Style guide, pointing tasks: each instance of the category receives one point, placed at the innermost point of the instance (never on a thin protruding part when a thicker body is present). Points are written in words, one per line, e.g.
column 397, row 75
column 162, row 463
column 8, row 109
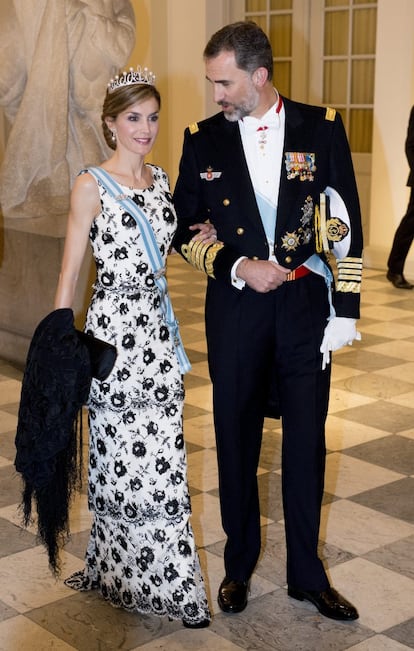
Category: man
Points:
column 257, row 171
column 404, row 234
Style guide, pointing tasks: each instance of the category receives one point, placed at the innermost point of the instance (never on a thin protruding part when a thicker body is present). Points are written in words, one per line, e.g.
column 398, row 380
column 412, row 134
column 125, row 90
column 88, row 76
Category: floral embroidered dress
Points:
column 141, row 553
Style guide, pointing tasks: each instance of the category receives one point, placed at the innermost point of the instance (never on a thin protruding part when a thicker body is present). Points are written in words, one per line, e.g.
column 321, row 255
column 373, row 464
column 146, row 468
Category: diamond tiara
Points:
column 138, row 76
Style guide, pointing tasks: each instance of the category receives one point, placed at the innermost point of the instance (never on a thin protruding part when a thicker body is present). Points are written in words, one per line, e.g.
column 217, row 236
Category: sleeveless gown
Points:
column 141, row 553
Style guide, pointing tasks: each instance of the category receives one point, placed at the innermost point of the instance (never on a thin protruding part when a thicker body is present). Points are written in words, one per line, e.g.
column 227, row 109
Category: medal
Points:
column 301, row 164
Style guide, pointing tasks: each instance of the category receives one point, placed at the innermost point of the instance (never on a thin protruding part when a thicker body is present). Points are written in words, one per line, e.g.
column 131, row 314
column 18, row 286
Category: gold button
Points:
column 240, row 231
column 226, row 202
column 288, row 259
column 255, row 257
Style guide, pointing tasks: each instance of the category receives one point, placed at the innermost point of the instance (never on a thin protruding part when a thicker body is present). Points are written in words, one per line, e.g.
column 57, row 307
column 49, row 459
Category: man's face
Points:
column 234, row 89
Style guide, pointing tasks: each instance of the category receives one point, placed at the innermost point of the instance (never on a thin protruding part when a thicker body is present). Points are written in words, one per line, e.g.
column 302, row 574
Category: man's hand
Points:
column 340, row 331
column 261, row 275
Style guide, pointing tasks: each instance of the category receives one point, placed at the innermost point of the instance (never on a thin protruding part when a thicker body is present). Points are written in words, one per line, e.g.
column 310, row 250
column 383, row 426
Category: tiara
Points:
column 138, row 76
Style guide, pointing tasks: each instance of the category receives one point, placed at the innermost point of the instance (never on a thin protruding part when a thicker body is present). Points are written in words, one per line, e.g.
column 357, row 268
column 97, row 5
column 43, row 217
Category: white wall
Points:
column 394, row 96
column 171, row 35
column 186, row 35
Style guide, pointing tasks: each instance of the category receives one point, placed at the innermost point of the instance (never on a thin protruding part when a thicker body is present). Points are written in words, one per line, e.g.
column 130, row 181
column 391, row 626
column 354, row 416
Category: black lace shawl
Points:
column 55, row 385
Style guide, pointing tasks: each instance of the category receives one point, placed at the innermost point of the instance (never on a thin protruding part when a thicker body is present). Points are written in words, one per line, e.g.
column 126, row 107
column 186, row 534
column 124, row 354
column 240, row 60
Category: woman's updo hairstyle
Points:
column 120, row 100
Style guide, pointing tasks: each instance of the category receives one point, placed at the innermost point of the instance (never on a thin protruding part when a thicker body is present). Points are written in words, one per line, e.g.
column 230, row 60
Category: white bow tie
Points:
column 272, row 121
column 253, row 125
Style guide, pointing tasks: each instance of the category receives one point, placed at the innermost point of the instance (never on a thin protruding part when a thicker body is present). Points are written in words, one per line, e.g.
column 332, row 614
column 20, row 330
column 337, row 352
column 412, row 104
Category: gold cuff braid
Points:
column 349, row 275
column 201, row 255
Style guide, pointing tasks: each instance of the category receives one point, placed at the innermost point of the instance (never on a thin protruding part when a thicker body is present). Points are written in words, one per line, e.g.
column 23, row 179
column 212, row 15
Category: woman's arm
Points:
column 84, row 206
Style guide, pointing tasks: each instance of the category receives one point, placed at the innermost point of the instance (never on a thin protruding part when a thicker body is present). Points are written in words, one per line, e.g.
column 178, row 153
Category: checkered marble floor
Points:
column 367, row 527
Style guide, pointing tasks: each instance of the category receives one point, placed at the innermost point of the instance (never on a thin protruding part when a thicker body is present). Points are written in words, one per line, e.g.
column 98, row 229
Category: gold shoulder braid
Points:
column 201, row 255
column 349, row 275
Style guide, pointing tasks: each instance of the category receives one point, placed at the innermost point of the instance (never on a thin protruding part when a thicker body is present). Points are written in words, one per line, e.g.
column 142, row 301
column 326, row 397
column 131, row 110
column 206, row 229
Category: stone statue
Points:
column 57, row 58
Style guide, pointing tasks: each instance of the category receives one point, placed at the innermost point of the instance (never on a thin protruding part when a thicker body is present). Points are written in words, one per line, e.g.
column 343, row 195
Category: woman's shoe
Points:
column 203, row 624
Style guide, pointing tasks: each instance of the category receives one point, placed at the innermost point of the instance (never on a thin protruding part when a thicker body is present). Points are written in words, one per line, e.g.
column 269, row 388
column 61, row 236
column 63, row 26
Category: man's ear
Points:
column 260, row 76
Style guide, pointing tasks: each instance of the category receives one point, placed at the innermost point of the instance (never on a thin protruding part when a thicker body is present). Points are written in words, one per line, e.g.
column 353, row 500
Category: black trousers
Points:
column 252, row 337
column 403, row 239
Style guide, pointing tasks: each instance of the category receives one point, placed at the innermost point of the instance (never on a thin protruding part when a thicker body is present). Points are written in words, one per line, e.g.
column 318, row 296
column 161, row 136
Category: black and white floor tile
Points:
column 367, row 529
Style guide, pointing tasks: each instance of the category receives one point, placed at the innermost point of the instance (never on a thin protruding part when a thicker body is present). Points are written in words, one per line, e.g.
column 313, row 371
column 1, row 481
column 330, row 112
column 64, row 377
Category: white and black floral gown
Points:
column 141, row 553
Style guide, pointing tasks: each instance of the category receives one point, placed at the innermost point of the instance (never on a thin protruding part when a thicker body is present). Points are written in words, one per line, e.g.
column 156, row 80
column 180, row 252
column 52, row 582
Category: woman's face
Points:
column 137, row 127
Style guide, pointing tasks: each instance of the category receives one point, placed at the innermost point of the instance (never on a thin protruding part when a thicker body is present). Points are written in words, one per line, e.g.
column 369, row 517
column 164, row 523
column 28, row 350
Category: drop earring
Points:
column 113, row 136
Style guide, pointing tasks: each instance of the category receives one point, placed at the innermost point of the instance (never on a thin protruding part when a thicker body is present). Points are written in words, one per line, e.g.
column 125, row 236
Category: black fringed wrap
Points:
column 55, row 385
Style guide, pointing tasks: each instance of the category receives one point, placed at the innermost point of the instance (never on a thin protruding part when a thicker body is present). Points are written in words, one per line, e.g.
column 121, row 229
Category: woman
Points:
column 141, row 553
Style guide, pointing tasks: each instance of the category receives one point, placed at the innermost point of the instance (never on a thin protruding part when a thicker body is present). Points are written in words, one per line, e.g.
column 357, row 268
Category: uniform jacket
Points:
column 214, row 184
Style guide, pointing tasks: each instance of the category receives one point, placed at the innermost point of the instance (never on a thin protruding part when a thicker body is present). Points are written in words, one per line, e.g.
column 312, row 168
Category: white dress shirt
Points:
column 262, row 140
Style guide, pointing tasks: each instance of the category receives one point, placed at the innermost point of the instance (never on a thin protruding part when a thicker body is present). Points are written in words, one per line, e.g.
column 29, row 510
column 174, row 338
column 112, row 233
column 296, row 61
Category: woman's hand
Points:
column 207, row 233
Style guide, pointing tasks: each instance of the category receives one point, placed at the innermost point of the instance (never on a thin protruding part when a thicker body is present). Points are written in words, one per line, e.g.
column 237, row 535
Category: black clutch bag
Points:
column 101, row 354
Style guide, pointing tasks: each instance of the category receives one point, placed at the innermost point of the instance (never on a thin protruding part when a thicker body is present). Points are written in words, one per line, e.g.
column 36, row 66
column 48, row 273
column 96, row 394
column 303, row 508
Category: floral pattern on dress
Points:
column 141, row 553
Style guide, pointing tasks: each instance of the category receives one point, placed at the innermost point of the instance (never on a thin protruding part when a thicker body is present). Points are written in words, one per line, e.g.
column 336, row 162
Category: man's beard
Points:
column 241, row 111
column 236, row 114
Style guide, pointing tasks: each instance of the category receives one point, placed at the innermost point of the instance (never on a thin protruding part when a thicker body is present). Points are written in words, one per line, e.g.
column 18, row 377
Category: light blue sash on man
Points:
column 314, row 263
column 154, row 256
column 268, row 214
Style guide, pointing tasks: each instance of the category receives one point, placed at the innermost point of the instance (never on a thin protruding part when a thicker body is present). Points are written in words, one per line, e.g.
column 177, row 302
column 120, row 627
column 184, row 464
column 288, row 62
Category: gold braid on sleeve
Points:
column 202, row 255
column 349, row 275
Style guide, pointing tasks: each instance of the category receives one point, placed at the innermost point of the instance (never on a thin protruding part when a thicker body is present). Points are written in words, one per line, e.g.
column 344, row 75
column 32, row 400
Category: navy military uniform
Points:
column 258, row 339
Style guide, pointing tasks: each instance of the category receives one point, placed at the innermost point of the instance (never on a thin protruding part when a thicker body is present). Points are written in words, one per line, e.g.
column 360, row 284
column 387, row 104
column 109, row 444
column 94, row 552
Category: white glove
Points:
column 340, row 331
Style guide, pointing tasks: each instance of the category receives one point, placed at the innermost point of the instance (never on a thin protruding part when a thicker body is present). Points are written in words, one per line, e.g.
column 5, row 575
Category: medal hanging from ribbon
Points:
column 301, row 164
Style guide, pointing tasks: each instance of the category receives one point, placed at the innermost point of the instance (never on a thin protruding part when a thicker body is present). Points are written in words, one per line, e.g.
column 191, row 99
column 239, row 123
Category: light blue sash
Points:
column 115, row 191
column 268, row 214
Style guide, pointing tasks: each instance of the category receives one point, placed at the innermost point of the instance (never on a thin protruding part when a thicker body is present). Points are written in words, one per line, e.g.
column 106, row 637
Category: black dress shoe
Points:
column 329, row 603
column 232, row 595
column 203, row 624
column 399, row 281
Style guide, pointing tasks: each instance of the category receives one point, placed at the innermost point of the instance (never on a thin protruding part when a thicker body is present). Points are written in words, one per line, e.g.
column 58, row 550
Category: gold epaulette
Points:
column 193, row 127
column 330, row 114
column 349, row 275
column 201, row 255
